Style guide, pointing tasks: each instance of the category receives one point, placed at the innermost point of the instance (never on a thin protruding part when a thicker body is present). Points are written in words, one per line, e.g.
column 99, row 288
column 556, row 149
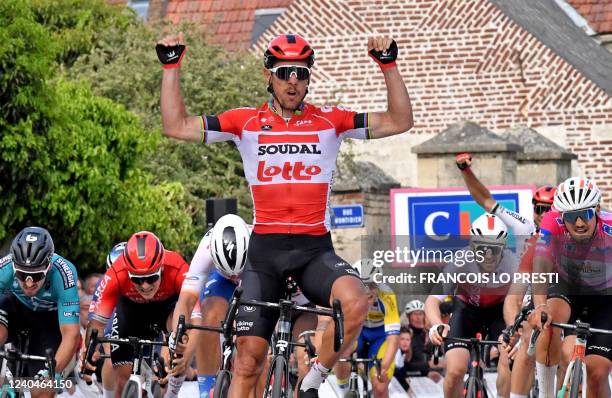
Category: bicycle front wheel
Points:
column 470, row 388
column 576, row 379
column 280, row 387
column 222, row 384
column 130, row 390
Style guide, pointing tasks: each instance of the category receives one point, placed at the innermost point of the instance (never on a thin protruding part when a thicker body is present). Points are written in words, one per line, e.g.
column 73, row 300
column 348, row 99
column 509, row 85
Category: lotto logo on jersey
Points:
column 288, row 171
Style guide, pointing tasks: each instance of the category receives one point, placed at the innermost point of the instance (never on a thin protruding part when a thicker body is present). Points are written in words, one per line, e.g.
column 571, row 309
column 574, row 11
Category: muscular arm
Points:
column 175, row 121
column 184, row 306
column 432, row 310
column 513, row 302
column 540, row 265
column 68, row 346
column 398, row 118
column 479, row 192
column 392, row 344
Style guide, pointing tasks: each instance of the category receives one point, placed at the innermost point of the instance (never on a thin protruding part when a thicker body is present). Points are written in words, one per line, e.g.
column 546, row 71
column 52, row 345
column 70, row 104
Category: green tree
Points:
column 124, row 67
column 72, row 161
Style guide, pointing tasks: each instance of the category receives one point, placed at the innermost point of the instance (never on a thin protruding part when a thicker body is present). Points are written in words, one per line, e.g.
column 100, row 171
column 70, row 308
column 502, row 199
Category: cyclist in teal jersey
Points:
column 41, row 296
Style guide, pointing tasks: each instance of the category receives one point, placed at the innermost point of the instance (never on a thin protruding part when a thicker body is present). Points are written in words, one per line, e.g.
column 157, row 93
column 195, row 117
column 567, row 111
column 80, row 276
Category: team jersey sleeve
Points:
column 108, row 296
column 348, row 124
column 201, row 265
column 6, row 272
column 227, row 126
column 182, row 273
column 549, row 228
column 520, row 225
column 392, row 318
column 64, row 282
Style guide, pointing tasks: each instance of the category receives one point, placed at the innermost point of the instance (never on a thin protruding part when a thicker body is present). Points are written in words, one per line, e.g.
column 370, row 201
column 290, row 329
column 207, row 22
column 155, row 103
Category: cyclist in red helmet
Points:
column 289, row 149
column 142, row 285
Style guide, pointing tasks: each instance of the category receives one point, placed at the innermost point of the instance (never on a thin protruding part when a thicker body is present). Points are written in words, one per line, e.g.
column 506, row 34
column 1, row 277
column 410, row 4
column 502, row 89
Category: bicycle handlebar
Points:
column 335, row 313
column 518, row 320
column 583, row 326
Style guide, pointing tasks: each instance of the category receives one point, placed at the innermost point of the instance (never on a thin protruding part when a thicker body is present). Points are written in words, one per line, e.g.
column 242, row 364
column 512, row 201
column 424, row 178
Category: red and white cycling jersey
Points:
column 583, row 264
column 116, row 283
column 289, row 164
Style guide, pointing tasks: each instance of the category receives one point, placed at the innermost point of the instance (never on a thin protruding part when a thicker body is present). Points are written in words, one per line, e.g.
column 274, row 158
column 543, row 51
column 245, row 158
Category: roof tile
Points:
column 596, row 12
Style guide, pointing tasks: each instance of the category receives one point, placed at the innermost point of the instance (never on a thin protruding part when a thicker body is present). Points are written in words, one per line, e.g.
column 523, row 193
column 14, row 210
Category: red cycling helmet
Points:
column 143, row 253
column 288, row 48
column 545, row 194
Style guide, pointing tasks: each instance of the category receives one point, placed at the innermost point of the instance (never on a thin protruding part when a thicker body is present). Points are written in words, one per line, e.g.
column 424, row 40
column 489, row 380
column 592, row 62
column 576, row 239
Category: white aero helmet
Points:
column 115, row 252
column 366, row 270
column 490, row 229
column 576, row 193
column 414, row 305
column 229, row 243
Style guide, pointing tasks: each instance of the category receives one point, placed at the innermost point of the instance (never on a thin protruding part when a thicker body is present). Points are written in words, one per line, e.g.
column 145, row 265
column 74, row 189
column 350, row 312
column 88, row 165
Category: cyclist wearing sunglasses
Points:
column 40, row 296
column 479, row 307
column 575, row 241
column 289, row 149
column 143, row 285
column 519, row 293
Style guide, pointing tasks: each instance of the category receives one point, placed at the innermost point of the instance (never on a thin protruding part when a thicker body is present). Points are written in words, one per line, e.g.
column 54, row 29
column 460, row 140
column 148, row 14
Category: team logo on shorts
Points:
column 248, row 308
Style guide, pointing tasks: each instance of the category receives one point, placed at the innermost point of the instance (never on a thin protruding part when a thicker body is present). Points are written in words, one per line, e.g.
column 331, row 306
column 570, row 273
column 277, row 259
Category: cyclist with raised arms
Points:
column 379, row 336
column 41, row 296
column 575, row 241
column 478, row 306
column 143, row 285
column 519, row 294
column 289, row 150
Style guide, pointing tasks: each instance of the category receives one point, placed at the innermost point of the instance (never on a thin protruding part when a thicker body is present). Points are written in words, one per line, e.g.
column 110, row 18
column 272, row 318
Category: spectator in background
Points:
column 414, row 313
column 80, row 286
column 91, row 282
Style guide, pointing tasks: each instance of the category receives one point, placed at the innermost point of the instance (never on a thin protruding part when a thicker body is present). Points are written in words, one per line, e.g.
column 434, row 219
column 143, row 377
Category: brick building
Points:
column 499, row 63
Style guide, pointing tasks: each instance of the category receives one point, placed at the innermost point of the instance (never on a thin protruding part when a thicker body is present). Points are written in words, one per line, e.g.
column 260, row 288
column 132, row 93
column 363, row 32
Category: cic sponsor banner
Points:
column 440, row 218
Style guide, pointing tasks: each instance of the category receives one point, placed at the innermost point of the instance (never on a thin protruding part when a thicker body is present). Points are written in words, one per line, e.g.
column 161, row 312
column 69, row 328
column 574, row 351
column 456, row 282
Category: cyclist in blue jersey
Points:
column 107, row 373
column 41, row 296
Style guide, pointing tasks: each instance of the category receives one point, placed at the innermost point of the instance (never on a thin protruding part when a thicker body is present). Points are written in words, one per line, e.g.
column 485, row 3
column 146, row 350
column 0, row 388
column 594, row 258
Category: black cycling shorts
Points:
column 42, row 329
column 138, row 320
column 310, row 260
column 467, row 320
column 592, row 309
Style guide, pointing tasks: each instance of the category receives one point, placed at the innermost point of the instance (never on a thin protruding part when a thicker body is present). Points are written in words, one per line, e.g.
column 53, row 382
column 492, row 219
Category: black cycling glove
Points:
column 170, row 56
column 385, row 59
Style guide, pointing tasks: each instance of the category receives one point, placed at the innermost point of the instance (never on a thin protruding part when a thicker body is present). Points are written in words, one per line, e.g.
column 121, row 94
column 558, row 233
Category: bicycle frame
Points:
column 142, row 374
column 355, row 374
column 583, row 330
column 475, row 382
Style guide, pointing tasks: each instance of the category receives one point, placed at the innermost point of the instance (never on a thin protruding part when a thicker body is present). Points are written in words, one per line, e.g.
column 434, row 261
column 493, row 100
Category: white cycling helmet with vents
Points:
column 490, row 229
column 229, row 243
column 366, row 270
column 576, row 193
column 414, row 305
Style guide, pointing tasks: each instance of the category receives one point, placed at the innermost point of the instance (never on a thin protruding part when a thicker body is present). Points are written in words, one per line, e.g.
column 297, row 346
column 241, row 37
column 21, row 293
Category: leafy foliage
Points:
column 71, row 160
column 125, row 68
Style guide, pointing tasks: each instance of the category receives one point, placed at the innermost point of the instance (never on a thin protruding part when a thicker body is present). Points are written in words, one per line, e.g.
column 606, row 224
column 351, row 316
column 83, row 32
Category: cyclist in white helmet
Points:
column 575, row 241
column 213, row 275
column 479, row 306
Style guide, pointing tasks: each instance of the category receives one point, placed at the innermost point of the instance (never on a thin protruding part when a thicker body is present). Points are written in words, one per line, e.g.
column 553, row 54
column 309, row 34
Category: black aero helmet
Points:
column 32, row 248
